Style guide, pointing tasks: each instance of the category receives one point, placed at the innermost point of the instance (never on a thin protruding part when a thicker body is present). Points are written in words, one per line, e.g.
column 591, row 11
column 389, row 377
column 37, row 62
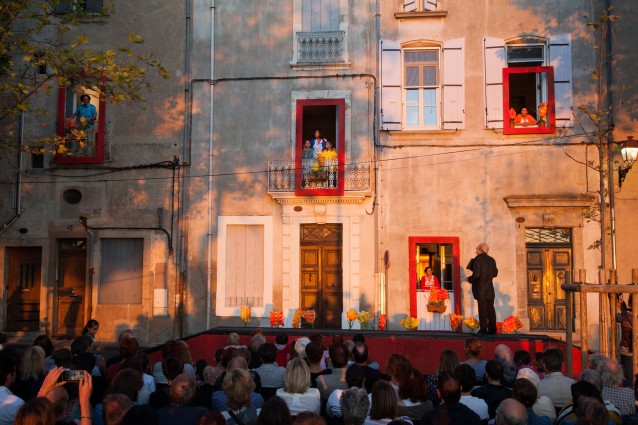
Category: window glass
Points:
column 421, row 88
column 429, row 106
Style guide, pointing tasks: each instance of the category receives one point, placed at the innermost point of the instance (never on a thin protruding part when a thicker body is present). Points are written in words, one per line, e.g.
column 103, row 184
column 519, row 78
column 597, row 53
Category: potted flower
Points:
column 436, row 303
column 276, row 318
column 244, row 314
column 542, row 115
column 410, row 323
column 512, row 113
column 309, row 316
column 351, row 315
column 363, row 318
column 382, row 322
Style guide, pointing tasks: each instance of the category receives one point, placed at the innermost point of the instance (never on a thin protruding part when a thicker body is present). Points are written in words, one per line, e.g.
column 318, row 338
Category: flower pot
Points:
column 437, row 308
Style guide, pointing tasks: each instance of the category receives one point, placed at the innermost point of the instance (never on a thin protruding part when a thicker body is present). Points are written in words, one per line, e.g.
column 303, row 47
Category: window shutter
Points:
column 409, row 5
column 244, row 269
column 494, row 62
column 429, row 5
column 390, row 85
column 560, row 57
column 453, row 84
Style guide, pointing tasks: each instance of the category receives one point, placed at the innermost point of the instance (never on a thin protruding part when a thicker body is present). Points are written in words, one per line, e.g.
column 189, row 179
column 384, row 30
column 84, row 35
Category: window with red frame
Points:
column 320, row 125
column 528, row 100
column 88, row 150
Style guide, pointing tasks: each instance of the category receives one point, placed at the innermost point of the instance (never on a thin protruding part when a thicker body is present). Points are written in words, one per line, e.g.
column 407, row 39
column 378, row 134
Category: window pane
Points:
column 121, row 271
column 429, row 107
column 411, row 76
column 429, row 75
column 421, row 56
column 412, row 107
column 525, row 53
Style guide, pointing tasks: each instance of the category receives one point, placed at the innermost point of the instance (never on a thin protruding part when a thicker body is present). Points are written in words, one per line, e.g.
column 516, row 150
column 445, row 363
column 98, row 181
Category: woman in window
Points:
column 307, row 152
column 318, row 144
column 429, row 281
column 524, row 119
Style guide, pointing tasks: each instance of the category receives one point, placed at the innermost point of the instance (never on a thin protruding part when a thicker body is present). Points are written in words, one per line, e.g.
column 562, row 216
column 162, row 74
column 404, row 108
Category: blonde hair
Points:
column 297, row 377
column 473, row 347
column 238, row 388
column 32, row 365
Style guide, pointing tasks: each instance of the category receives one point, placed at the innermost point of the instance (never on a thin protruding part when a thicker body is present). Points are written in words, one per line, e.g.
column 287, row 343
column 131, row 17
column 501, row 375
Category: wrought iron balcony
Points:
column 320, row 47
column 282, row 176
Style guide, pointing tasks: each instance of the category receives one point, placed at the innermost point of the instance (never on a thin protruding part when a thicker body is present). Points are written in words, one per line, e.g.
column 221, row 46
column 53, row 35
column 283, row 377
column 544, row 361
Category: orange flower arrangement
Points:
column 455, row 321
column 351, row 315
column 471, row 323
column 511, row 324
column 310, row 316
column 410, row 323
column 438, row 296
column 276, row 318
column 244, row 314
column 542, row 110
column 512, row 113
column 382, row 322
column 296, row 319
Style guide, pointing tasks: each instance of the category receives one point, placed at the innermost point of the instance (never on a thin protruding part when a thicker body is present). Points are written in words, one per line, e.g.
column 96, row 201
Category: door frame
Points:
column 87, row 300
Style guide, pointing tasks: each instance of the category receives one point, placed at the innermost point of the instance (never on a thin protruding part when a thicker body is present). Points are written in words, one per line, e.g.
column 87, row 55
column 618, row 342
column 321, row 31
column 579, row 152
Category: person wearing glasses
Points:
column 484, row 270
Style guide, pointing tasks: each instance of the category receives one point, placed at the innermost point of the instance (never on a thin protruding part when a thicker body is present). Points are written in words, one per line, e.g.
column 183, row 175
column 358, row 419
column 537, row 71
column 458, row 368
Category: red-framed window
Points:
column 93, row 152
column 528, row 100
column 442, row 254
column 328, row 117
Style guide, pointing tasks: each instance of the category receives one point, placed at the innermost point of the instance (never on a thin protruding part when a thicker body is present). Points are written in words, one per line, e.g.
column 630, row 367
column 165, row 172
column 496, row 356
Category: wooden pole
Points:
column 584, row 337
column 602, row 317
column 634, row 321
column 569, row 363
column 613, row 301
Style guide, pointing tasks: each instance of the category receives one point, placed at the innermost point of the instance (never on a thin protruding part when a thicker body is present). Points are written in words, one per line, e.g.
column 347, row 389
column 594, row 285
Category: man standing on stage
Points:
column 484, row 269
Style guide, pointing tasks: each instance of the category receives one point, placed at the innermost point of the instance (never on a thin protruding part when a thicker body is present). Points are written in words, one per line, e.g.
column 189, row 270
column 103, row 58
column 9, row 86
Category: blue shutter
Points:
column 560, row 57
column 453, row 84
column 390, row 85
column 494, row 61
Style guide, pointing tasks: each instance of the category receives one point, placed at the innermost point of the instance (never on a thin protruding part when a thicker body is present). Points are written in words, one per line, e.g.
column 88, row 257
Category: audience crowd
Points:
column 302, row 382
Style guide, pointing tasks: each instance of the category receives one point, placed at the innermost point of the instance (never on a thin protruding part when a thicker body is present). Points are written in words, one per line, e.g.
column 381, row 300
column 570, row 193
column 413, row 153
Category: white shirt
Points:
column 149, row 383
column 477, row 405
column 9, row 406
column 297, row 403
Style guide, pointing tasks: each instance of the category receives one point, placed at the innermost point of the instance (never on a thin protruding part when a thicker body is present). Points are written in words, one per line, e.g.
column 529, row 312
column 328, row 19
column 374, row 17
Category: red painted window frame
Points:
column 456, row 268
column 341, row 146
column 551, row 102
column 99, row 139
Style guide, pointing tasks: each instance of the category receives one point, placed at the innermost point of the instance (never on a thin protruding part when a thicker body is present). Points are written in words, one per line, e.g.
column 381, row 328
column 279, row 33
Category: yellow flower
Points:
column 244, row 314
column 296, row 319
column 410, row 323
column 363, row 317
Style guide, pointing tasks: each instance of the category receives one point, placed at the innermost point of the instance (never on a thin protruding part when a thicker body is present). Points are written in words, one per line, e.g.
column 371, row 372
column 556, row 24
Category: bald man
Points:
column 484, row 270
column 511, row 412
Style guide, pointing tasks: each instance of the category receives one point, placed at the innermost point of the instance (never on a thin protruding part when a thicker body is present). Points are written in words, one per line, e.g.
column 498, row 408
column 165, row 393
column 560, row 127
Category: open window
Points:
column 528, row 100
column 320, row 147
column 90, row 148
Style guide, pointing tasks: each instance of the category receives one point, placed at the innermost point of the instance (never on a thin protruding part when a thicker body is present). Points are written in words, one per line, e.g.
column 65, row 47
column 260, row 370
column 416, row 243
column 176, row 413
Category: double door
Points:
column 547, row 269
column 23, row 288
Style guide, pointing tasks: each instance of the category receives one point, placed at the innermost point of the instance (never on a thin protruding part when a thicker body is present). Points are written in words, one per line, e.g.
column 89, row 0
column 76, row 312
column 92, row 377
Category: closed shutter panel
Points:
column 320, row 15
column 390, row 85
column 453, row 84
column 429, row 5
column 494, row 62
column 121, row 271
column 244, row 265
column 560, row 56
column 409, row 5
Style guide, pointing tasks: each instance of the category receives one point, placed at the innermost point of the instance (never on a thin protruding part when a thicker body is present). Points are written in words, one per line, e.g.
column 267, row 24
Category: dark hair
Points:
column 274, row 412
column 171, row 347
column 133, row 363
column 213, row 417
column 82, row 100
column 268, row 352
column 8, row 364
column 143, row 359
column 522, row 357
column 494, row 370
column 413, row 387
column 84, row 361
column 127, row 382
column 227, row 355
column 281, row 339
column 309, row 418
column 199, row 369
column 80, row 345
column 45, row 342
column 314, row 352
column 61, row 356
column 384, row 401
column 339, row 355
column 218, row 355
column 591, row 411
column 316, row 338
column 129, row 347
column 38, row 411
column 172, row 366
column 525, row 391
column 398, row 366
column 466, row 376
column 552, row 359
column 91, row 322
column 359, row 338
column 585, row 389
column 360, row 352
column 428, row 267
column 355, row 375
column 449, row 388
column 141, row 414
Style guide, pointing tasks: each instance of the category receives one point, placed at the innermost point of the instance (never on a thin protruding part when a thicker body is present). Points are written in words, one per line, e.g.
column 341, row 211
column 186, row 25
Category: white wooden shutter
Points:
column 560, row 57
column 409, row 5
column 453, row 84
column 494, row 62
column 429, row 5
column 320, row 15
column 244, row 265
column 390, row 85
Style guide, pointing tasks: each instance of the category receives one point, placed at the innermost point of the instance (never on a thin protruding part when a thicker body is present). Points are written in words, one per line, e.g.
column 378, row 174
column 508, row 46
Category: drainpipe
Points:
column 89, row 292
column 209, row 240
column 17, row 202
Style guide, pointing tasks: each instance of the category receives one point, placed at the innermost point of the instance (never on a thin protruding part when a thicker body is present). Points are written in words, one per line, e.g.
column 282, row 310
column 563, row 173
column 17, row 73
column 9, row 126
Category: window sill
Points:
column 417, row 15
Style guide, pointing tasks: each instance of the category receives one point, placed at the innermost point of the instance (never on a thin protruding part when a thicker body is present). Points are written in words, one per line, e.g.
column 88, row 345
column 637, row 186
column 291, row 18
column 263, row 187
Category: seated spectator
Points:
column 511, row 412
column 181, row 411
column 274, row 412
column 87, row 361
column 543, row 405
column 238, row 388
column 178, row 349
column 127, row 333
column 384, row 404
column 596, row 360
column 354, row 406
column 315, row 357
column 115, row 407
column 473, row 350
column 360, row 358
column 227, row 355
column 233, row 341
column 567, row 415
column 271, row 375
column 591, row 411
column 127, row 382
column 35, row 412
column 296, row 391
column 448, row 361
column 219, row 400
column 31, row 373
column 245, row 354
column 59, row 397
column 493, row 392
column 214, row 372
column 450, row 411
column 47, row 345
column 398, row 368
column 503, row 355
column 83, row 389
column 413, row 396
column 467, row 379
column 309, row 418
column 172, row 365
column 555, row 385
column 523, row 360
column 337, row 379
column 128, row 349
column 255, row 342
column 143, row 414
column 283, row 350
column 622, row 397
column 355, row 379
column 525, row 392
column 9, row 403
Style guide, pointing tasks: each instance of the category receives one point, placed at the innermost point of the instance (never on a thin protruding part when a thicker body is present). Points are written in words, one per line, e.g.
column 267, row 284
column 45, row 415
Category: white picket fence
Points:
column 429, row 321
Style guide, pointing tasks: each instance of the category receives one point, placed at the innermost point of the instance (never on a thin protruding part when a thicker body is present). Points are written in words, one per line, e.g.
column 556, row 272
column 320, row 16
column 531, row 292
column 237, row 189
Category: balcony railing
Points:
column 282, row 176
column 320, row 47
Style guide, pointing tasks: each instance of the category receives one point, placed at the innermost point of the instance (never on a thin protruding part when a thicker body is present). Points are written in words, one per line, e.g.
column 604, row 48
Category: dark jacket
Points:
column 483, row 271
column 455, row 413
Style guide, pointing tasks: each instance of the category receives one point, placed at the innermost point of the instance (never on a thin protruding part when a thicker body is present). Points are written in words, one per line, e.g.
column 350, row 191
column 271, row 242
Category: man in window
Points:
column 524, row 119
column 86, row 114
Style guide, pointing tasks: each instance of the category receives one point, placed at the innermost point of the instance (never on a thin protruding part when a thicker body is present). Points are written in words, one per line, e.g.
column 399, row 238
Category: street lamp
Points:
column 629, row 151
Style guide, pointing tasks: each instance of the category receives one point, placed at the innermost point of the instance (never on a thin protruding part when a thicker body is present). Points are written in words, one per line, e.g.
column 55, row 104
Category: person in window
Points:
column 86, row 115
column 318, row 143
column 307, row 151
column 429, row 281
column 524, row 119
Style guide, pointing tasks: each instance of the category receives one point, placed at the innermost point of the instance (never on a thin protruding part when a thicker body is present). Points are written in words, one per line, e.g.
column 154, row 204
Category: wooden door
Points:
column 547, row 269
column 321, row 274
column 71, row 285
column 24, row 283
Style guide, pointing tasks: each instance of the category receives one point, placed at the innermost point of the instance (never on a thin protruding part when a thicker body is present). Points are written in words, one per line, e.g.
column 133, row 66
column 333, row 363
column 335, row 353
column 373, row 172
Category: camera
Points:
column 72, row 375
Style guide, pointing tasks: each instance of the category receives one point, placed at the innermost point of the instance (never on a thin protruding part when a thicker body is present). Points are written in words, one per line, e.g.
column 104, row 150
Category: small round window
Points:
column 72, row 196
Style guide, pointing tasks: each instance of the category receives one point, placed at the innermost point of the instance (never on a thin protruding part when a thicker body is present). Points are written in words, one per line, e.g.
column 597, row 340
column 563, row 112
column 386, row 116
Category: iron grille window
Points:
column 548, row 236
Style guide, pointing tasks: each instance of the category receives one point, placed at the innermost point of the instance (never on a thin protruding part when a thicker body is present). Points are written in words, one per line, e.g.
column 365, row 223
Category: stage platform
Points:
column 422, row 348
